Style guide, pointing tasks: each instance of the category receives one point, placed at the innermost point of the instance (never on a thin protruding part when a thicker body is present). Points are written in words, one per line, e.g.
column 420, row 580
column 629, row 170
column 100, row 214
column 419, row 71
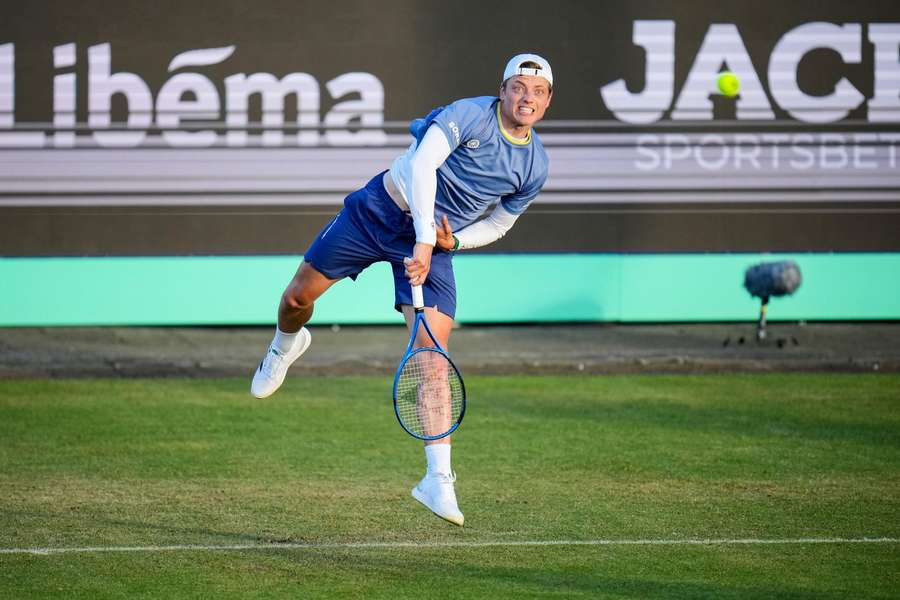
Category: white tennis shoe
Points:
column 436, row 492
column 274, row 366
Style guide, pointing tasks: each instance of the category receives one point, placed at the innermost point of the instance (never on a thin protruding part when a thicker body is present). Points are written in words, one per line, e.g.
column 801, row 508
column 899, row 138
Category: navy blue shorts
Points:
column 372, row 228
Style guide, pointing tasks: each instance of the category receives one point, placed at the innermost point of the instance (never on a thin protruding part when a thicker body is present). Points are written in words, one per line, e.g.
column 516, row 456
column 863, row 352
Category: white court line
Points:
column 366, row 545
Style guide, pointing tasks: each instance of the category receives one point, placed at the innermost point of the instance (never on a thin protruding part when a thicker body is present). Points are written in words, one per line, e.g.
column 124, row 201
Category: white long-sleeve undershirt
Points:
column 415, row 175
column 487, row 230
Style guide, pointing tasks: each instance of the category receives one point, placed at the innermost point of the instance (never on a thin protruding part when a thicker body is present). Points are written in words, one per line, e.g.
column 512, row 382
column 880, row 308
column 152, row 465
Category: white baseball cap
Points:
column 514, row 67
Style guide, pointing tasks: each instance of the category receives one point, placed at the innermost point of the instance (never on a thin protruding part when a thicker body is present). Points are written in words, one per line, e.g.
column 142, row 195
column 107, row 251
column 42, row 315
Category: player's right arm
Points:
column 431, row 153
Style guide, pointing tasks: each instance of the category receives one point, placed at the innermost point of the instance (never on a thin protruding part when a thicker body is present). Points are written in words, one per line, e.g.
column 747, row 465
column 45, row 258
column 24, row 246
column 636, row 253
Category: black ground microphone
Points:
column 767, row 280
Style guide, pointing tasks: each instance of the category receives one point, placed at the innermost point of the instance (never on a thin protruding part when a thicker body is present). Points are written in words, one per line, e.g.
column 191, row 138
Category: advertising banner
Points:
column 228, row 127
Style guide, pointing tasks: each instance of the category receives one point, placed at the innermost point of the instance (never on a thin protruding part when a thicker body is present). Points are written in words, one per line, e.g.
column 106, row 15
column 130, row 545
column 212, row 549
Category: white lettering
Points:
column 7, row 85
column 369, row 109
column 677, row 147
column 763, row 152
column 892, row 139
column 722, row 44
column 102, row 86
column 646, row 146
column 172, row 106
column 864, row 143
column 885, row 104
column 712, row 140
column 832, row 147
column 658, row 40
column 746, row 147
column 776, row 139
column 791, row 48
column 29, row 139
column 203, row 57
column 801, row 141
column 356, row 120
column 64, row 96
column 238, row 89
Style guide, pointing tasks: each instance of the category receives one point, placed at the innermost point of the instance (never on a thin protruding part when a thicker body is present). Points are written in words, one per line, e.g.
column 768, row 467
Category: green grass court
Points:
column 323, row 468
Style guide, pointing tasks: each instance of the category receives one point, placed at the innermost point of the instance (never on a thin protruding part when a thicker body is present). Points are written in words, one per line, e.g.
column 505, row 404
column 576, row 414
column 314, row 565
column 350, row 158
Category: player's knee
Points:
column 296, row 298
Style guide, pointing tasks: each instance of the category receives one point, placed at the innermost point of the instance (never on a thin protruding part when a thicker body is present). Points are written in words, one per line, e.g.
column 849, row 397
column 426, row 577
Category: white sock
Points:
column 283, row 342
column 438, row 457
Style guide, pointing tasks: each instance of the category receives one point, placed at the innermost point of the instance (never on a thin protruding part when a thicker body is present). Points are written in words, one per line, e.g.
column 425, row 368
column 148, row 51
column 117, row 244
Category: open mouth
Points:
column 525, row 111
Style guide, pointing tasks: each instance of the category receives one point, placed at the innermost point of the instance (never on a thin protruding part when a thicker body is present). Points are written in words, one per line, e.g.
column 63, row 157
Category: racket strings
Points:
column 429, row 394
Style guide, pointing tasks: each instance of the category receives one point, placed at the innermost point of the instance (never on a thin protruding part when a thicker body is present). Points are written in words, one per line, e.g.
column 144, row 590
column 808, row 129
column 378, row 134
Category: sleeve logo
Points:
column 455, row 129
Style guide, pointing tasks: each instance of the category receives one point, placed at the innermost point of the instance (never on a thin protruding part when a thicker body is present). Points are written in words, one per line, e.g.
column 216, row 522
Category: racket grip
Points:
column 418, row 298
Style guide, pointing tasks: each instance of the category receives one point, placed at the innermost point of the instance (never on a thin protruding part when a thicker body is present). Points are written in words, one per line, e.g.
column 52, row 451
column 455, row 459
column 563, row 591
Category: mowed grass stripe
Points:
column 674, row 461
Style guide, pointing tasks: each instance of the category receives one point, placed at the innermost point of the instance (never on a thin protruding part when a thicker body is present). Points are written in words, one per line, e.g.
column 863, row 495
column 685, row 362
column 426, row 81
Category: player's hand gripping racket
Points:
column 429, row 394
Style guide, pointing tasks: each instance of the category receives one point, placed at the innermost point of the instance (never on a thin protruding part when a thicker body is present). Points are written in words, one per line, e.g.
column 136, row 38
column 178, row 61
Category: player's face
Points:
column 524, row 100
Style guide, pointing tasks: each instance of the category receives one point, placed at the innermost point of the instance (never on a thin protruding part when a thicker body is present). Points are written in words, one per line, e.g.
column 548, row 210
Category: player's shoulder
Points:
column 541, row 160
column 469, row 119
column 477, row 105
column 538, row 144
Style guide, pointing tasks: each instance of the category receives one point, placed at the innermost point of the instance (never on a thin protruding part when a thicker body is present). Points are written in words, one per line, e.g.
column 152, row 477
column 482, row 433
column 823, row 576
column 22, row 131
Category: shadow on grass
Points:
column 449, row 574
column 744, row 422
column 101, row 523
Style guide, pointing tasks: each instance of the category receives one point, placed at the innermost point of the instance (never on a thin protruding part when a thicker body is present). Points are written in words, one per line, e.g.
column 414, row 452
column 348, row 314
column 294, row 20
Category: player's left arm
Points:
column 494, row 226
column 480, row 233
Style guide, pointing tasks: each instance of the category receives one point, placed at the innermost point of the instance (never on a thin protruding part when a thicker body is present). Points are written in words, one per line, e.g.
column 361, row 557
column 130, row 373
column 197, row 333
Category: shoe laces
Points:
column 445, row 478
column 272, row 361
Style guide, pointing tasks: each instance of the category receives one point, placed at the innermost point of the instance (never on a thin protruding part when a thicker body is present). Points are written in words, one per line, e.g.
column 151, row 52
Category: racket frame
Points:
column 411, row 351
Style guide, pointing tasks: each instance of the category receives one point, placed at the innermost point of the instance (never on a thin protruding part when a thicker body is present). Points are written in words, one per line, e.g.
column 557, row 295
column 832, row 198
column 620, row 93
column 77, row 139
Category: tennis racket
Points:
column 429, row 393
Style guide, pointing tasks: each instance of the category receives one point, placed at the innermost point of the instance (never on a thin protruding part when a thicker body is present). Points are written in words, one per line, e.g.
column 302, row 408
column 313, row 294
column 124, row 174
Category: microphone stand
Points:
column 761, row 325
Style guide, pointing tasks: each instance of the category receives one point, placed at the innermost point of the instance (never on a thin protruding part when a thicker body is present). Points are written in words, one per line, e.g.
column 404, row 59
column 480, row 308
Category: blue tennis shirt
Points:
column 486, row 165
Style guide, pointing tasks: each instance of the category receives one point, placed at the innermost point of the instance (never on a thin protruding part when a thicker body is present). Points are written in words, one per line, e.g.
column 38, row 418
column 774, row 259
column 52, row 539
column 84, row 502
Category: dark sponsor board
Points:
column 236, row 128
column 151, row 231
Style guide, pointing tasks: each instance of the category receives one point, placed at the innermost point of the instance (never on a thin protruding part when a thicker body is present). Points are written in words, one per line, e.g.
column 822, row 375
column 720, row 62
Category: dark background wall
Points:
column 157, row 200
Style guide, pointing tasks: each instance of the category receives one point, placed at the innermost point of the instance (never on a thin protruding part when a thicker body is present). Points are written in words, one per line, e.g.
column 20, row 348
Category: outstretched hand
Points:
column 418, row 266
column 445, row 240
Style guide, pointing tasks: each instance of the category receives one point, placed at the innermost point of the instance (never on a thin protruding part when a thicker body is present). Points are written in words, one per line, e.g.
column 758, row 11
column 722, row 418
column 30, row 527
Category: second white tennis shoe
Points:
column 274, row 366
column 437, row 493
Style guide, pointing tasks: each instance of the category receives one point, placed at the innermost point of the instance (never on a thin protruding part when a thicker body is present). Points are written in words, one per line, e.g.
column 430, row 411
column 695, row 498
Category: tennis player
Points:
column 466, row 157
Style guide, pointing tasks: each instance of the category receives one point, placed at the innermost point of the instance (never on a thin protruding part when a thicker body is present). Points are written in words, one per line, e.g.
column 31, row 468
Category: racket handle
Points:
column 418, row 299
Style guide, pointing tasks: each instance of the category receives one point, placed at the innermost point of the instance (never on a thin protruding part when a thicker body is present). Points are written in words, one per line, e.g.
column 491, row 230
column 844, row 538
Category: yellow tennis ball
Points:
column 729, row 84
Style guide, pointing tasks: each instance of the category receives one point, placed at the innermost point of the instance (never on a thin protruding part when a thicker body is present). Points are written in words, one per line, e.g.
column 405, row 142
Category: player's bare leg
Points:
column 436, row 490
column 434, row 400
column 291, row 337
column 299, row 297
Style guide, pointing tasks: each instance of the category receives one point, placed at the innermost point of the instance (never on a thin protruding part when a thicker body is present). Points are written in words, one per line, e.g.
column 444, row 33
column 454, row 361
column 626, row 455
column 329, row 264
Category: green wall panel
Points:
column 697, row 287
column 493, row 289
